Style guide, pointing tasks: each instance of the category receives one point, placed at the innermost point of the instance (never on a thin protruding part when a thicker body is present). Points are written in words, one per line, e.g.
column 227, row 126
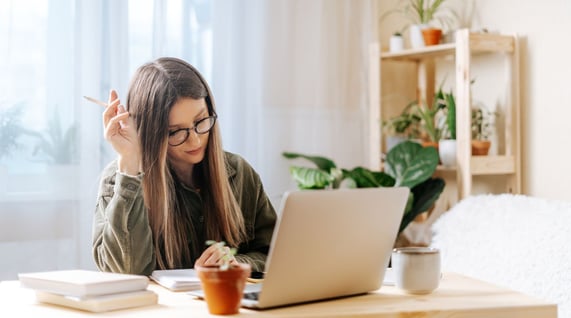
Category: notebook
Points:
column 328, row 244
column 83, row 283
column 101, row 303
column 177, row 279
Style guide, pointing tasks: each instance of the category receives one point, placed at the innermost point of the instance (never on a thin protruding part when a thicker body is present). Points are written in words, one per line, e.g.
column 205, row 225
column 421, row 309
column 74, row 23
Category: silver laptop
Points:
column 328, row 244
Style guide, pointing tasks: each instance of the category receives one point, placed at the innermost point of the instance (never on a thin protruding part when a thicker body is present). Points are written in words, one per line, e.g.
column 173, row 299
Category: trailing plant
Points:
column 408, row 164
column 406, row 124
column 227, row 254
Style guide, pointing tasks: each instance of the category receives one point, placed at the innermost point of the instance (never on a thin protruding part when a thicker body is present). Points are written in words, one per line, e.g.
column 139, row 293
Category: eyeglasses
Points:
column 201, row 127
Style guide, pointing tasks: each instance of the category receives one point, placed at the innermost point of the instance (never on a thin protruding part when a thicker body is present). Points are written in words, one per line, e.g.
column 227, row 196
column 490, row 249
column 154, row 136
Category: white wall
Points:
column 545, row 82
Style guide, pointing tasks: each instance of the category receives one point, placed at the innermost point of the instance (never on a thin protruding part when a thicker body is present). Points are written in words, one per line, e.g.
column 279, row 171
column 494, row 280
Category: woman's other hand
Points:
column 119, row 130
column 213, row 255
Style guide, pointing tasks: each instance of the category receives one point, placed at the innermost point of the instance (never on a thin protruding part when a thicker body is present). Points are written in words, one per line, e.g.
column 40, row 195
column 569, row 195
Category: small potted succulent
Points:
column 223, row 285
column 396, row 43
column 482, row 128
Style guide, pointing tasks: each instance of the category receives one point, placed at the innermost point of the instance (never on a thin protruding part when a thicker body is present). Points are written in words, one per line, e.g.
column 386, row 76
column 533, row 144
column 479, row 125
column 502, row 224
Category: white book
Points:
column 177, row 279
column 101, row 303
column 83, row 283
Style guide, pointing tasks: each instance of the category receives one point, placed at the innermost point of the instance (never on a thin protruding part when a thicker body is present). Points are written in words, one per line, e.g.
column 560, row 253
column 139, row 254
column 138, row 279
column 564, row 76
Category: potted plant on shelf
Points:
column 223, row 285
column 403, row 127
column 396, row 43
column 428, row 18
column 407, row 164
column 482, row 127
column 447, row 144
column 431, row 121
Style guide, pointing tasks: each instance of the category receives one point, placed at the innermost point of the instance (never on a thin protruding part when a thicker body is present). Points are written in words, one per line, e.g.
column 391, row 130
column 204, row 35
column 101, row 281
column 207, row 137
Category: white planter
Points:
column 447, row 152
column 396, row 43
column 416, row 38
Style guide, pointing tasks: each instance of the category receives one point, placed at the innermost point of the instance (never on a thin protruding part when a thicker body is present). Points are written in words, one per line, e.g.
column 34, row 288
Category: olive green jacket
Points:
column 122, row 238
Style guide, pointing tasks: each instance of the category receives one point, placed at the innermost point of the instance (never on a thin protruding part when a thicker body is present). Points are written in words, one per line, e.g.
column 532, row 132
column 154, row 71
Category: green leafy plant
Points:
column 10, row 129
column 429, row 128
column 408, row 164
column 58, row 144
column 425, row 12
column 430, row 12
column 482, row 123
column 227, row 254
column 406, row 124
column 448, row 103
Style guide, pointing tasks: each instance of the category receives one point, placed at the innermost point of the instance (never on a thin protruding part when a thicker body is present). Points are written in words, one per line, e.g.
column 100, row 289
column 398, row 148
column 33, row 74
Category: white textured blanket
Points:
column 519, row 242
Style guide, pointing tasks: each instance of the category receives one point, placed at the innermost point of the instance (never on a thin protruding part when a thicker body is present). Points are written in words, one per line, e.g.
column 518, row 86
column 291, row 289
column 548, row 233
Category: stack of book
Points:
column 90, row 290
column 177, row 279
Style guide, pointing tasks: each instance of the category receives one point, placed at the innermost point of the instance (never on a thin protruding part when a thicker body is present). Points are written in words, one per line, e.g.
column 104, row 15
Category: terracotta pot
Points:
column 430, row 144
column 431, row 36
column 480, row 147
column 223, row 290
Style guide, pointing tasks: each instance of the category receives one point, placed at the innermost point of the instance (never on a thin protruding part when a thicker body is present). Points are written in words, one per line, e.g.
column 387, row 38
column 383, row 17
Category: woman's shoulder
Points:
column 236, row 164
column 234, row 160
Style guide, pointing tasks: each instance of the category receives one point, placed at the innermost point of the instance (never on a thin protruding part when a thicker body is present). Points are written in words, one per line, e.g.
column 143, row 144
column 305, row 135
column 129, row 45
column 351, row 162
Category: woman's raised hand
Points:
column 120, row 131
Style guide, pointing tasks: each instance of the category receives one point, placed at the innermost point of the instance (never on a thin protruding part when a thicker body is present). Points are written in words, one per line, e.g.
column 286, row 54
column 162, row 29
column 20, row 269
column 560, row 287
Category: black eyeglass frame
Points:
column 212, row 117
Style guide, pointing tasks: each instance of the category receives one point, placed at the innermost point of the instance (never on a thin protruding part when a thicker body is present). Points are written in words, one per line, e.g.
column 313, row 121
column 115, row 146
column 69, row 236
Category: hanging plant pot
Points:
column 223, row 289
column 431, row 36
column 480, row 147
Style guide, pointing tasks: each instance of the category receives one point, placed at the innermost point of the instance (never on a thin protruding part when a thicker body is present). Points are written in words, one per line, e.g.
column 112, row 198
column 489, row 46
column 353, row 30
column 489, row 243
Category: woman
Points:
column 172, row 187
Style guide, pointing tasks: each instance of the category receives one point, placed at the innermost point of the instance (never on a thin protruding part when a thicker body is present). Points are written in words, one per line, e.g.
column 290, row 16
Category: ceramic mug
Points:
column 416, row 269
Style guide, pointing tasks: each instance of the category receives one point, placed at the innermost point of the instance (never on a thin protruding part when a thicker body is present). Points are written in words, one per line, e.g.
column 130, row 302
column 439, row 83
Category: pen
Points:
column 96, row 101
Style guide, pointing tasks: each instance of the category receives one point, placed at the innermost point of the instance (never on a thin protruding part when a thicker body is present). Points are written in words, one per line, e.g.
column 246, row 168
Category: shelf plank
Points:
column 490, row 165
column 481, row 42
column 486, row 165
column 422, row 53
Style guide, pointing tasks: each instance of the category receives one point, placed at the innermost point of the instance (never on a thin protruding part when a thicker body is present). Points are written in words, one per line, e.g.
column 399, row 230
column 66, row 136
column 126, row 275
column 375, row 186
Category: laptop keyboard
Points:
column 251, row 295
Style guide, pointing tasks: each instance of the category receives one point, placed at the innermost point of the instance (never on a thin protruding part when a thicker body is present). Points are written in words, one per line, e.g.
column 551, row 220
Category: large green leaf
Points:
column 322, row 163
column 365, row 178
column 384, row 179
column 311, row 178
column 425, row 194
column 411, row 164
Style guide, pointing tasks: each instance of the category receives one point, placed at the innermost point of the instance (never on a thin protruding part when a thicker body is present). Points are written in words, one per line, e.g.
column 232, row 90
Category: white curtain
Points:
column 291, row 75
column 286, row 74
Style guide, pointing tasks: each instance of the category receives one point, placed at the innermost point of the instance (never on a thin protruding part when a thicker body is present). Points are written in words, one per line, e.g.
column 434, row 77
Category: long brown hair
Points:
column 154, row 89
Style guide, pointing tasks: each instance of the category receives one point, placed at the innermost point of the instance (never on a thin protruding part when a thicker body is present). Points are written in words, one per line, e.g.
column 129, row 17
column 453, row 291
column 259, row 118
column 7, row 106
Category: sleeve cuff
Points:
column 128, row 185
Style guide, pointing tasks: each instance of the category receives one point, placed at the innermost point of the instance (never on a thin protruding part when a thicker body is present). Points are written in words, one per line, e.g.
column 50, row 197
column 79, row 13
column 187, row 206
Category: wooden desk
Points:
column 457, row 296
